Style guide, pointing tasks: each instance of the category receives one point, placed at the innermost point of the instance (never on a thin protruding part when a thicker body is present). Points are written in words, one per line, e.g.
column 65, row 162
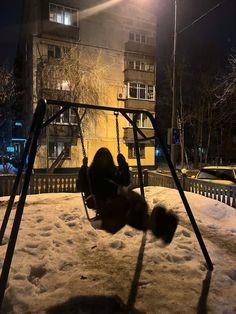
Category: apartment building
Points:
column 95, row 52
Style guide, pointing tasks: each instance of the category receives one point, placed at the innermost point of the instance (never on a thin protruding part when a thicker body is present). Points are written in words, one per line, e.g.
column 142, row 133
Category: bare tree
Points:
column 7, row 96
column 226, row 94
column 7, row 85
column 77, row 76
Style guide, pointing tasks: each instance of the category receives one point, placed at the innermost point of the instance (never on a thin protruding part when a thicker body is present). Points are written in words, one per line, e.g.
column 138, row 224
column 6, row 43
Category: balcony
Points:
column 140, row 48
column 64, row 132
column 139, row 76
column 129, row 137
column 52, row 29
column 140, row 104
column 56, row 94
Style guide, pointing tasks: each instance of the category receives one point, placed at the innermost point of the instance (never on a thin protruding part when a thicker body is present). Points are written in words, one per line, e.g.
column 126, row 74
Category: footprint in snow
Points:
column 32, row 245
column 186, row 233
column 45, row 234
column 19, row 277
column 118, row 245
column 232, row 274
column 68, row 217
column 39, row 219
column 36, row 273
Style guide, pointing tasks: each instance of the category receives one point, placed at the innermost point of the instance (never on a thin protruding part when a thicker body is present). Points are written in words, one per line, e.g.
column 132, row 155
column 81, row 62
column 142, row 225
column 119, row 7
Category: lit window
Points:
column 57, row 149
column 63, row 15
column 132, row 152
column 141, row 91
column 63, row 85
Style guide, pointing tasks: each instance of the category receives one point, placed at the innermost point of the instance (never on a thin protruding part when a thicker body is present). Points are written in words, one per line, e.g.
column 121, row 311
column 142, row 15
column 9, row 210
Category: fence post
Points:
column 145, row 177
column 183, row 181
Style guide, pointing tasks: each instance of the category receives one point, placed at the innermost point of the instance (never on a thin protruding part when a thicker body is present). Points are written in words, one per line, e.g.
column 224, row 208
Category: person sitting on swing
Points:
column 116, row 204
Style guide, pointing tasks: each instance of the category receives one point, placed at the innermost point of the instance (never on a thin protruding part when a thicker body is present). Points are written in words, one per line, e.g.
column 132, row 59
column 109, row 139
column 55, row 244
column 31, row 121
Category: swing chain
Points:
column 80, row 132
column 85, row 163
column 116, row 113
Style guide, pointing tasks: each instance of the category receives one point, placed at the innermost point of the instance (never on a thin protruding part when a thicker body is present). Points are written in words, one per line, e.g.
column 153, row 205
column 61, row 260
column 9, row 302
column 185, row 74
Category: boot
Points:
column 163, row 224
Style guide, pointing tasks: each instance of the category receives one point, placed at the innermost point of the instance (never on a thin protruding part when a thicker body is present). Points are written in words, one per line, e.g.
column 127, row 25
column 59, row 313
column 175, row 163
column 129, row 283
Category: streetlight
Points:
column 174, row 111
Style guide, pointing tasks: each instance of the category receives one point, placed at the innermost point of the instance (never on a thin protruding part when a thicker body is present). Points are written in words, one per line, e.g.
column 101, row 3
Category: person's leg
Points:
column 163, row 223
column 137, row 213
column 113, row 214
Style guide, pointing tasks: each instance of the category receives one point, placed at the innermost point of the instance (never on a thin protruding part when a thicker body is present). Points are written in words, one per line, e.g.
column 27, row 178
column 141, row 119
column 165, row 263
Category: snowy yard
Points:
column 62, row 265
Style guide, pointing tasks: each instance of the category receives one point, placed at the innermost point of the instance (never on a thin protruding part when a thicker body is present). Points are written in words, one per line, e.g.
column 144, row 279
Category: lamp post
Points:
column 174, row 109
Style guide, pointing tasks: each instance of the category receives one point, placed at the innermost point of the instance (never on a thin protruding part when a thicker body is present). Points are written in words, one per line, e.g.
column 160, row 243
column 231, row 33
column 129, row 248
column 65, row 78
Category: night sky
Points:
column 215, row 34
column 217, row 29
column 10, row 18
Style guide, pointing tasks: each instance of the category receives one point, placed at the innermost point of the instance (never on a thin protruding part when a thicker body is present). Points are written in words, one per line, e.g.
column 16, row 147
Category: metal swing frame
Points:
column 27, row 162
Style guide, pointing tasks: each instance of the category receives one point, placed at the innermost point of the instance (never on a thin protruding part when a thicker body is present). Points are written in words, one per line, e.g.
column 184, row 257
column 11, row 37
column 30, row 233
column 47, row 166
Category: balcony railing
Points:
column 140, row 48
column 139, row 76
column 129, row 136
column 140, row 104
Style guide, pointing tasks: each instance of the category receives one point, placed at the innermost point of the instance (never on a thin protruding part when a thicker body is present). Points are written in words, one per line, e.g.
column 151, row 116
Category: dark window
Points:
column 54, row 51
column 132, row 153
column 138, row 37
column 57, row 52
column 131, row 36
column 133, row 91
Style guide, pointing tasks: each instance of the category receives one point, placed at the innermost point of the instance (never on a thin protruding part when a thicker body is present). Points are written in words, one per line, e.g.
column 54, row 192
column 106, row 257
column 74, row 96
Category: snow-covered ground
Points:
column 62, row 265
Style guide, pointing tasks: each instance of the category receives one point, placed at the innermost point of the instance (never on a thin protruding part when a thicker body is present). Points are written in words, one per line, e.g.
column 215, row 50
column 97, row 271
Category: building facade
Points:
column 92, row 52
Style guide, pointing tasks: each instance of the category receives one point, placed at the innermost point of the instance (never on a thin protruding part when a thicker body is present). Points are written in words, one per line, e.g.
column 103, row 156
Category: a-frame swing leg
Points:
column 184, row 200
column 35, row 129
column 177, row 183
column 136, row 145
column 17, row 181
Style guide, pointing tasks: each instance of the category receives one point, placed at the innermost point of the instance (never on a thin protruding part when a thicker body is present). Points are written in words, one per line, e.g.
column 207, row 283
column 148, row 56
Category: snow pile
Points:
column 62, row 265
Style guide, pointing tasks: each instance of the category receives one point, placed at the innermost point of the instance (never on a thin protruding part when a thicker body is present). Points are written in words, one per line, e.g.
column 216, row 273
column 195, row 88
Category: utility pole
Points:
column 174, row 109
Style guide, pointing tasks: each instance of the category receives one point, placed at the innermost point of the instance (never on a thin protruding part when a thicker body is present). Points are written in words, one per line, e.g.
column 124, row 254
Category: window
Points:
column 142, row 122
column 67, row 117
column 63, row 15
column 138, row 37
column 54, row 51
column 132, row 153
column 57, row 148
column 57, row 52
column 63, row 85
column 140, row 65
column 141, row 91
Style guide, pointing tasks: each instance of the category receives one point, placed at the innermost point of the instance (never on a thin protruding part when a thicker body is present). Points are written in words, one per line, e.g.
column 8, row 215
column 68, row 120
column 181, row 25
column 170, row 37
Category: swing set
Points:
column 28, row 158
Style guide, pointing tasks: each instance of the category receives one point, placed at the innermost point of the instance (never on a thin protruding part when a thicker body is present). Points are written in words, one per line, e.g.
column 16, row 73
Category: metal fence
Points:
column 41, row 183
column 56, row 183
column 221, row 192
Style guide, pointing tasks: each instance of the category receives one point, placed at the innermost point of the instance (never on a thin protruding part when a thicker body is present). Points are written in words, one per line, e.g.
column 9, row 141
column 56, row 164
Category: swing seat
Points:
column 96, row 223
column 90, row 201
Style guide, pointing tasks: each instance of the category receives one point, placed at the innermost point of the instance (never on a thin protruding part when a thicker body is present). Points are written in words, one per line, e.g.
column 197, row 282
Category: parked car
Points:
column 218, row 174
column 7, row 169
